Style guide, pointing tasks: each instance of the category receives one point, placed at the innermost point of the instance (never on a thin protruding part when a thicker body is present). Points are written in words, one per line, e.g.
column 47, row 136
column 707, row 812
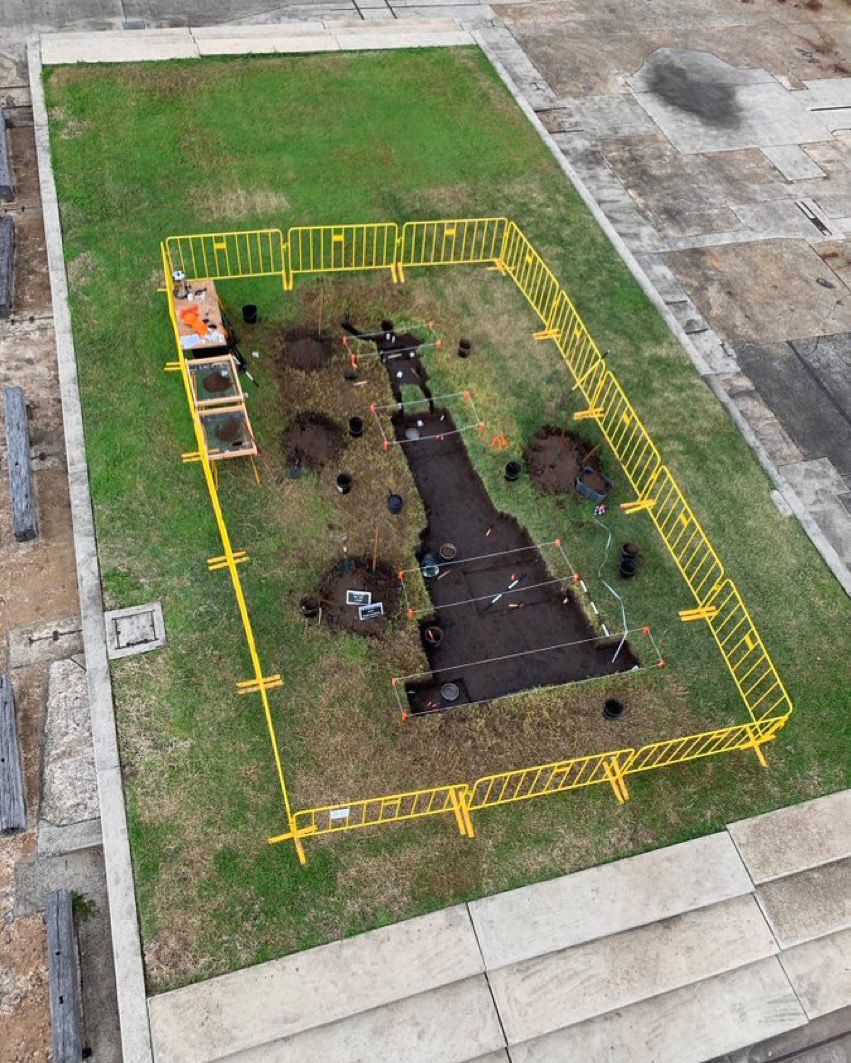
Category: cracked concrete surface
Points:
column 716, row 137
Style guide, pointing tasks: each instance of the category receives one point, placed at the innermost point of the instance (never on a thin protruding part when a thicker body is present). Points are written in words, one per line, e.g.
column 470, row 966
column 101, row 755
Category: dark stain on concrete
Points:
column 711, row 99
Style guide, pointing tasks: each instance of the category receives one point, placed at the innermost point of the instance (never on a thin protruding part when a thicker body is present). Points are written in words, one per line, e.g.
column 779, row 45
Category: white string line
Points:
column 490, row 597
column 485, row 557
column 421, row 402
column 505, row 657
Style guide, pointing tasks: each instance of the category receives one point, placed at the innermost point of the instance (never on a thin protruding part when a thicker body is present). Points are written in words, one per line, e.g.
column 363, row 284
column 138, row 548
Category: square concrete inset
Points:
column 134, row 630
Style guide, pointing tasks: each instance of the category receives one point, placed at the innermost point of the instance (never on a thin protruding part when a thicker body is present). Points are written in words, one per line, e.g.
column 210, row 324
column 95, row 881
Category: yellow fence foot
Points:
column 190, row 456
column 546, row 334
column 237, row 557
column 637, row 504
column 254, row 686
column 458, row 809
column 615, row 777
column 702, row 612
column 590, row 414
column 171, row 367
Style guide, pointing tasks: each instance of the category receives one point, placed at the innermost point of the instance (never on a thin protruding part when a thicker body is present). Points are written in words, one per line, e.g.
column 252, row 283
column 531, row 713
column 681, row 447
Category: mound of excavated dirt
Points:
column 554, row 458
column 383, row 584
column 303, row 350
column 312, row 441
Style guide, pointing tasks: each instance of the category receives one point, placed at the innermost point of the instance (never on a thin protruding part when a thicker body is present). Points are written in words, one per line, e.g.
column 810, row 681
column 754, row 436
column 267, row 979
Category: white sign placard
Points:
column 339, row 813
column 367, row 612
column 358, row 597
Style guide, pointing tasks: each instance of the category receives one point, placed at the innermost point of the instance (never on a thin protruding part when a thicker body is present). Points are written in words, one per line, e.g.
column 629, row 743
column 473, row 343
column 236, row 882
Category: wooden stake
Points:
column 375, row 549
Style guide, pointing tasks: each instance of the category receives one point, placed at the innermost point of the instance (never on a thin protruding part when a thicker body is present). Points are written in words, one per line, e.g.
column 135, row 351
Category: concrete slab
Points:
column 261, row 45
column 810, row 416
column 239, row 1011
column 448, row 1025
column 55, row 841
column 563, row 988
column 820, row 973
column 796, row 838
column 606, row 116
column 825, row 93
column 784, row 297
column 41, row 643
column 793, row 162
column 410, row 37
column 80, row 872
column 69, row 781
column 117, row 46
column 138, row 629
column 808, row 905
column 567, row 911
column 829, row 359
column 765, row 426
column 689, row 1025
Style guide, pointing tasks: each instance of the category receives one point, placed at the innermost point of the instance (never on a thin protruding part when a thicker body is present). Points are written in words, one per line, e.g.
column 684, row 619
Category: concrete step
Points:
column 550, row 916
column 808, row 905
column 689, row 1025
column 564, row 988
column 454, row 1024
column 264, row 1004
column 820, row 973
column 796, row 838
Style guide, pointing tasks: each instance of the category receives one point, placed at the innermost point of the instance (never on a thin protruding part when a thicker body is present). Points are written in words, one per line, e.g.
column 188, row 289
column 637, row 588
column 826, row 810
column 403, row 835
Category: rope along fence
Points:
column 500, row 244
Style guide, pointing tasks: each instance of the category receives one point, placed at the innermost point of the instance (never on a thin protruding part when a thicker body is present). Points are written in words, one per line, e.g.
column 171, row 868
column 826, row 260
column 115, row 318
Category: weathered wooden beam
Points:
column 24, row 519
column 7, row 181
column 7, row 264
column 13, row 811
column 64, row 968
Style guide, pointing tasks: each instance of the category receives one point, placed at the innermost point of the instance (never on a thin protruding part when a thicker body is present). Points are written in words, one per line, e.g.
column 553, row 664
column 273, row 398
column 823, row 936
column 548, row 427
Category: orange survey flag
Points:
column 191, row 317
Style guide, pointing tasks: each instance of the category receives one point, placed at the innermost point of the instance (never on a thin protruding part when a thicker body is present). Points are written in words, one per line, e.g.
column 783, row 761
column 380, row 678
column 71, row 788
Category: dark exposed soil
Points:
column 302, row 349
column 312, row 441
column 218, row 380
column 230, row 430
column 461, row 512
column 357, row 575
column 554, row 459
column 399, row 352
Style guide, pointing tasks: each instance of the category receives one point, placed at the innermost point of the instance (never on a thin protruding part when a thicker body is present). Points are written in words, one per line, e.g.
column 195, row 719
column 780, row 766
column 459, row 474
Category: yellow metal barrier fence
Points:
column 226, row 256
column 452, row 242
column 342, row 248
column 497, row 241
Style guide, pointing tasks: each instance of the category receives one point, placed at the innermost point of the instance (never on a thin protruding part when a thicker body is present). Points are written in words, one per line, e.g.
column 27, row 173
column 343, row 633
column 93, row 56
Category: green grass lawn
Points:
column 148, row 150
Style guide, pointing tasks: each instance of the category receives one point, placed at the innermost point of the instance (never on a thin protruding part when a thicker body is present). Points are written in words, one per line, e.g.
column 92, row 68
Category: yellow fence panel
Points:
column 744, row 652
column 342, row 248
column 624, row 432
column 686, row 540
column 452, row 242
column 530, row 273
column 370, row 811
column 707, row 744
column 225, row 256
column 521, row 784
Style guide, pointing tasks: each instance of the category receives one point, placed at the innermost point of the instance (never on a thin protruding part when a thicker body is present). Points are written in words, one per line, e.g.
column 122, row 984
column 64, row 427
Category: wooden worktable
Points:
column 203, row 298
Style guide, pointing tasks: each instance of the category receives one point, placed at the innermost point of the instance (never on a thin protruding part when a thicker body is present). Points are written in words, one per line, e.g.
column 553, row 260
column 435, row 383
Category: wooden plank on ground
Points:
column 13, row 812
column 22, row 489
column 7, row 181
column 64, row 978
column 7, row 264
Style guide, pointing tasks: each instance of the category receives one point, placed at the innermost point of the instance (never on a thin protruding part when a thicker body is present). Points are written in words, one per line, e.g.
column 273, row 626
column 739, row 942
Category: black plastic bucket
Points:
column 344, row 482
column 432, row 635
column 395, row 503
column 513, row 470
column 613, row 709
column 464, row 348
column 356, row 427
column 249, row 314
